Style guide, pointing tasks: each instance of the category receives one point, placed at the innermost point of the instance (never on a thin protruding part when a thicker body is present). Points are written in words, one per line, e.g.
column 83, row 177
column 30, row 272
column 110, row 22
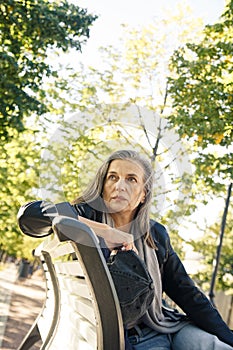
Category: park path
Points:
column 20, row 303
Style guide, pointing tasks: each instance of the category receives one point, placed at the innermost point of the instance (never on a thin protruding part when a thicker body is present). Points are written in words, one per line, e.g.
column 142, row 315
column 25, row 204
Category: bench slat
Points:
column 81, row 306
column 77, row 344
column 78, row 328
column 62, row 249
column 74, row 285
column 72, row 268
column 48, row 244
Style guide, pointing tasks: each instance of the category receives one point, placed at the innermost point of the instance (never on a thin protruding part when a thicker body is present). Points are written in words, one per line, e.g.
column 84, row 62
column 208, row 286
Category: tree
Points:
column 201, row 88
column 32, row 34
column 206, row 246
column 29, row 32
column 19, row 164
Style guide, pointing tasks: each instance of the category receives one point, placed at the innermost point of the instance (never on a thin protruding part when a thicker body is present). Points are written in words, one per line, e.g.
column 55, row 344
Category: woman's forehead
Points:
column 127, row 166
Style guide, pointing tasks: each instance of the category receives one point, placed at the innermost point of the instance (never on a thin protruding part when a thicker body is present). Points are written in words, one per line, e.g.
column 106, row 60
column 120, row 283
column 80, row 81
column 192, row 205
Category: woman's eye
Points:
column 112, row 177
column 132, row 179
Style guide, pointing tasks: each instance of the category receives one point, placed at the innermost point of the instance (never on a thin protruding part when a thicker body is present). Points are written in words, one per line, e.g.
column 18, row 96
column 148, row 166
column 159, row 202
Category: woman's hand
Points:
column 129, row 246
column 113, row 237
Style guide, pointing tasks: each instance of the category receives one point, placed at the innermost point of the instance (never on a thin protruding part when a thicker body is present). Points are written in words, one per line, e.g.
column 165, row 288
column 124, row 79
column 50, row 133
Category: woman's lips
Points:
column 119, row 198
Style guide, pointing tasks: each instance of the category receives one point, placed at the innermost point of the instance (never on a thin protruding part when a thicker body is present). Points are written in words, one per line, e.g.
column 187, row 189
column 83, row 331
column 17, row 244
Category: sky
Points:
column 111, row 14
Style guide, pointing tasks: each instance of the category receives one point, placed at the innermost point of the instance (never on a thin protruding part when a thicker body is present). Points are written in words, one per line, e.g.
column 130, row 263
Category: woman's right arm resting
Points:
column 35, row 218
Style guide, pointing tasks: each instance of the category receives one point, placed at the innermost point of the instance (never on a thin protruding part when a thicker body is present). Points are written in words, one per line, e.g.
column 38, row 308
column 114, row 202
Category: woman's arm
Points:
column 35, row 220
column 113, row 238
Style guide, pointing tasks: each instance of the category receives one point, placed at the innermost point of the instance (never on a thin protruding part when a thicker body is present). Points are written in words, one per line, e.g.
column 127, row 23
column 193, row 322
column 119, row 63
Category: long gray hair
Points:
column 141, row 223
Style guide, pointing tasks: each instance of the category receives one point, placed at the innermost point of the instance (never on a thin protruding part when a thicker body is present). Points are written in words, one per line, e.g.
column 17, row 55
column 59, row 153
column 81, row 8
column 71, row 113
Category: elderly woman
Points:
column 116, row 206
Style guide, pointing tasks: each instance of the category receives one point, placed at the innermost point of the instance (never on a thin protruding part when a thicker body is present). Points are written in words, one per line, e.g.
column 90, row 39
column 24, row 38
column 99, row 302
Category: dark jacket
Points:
column 34, row 221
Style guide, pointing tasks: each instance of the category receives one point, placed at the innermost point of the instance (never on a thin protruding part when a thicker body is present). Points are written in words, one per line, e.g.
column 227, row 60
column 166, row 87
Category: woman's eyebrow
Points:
column 115, row 172
column 134, row 175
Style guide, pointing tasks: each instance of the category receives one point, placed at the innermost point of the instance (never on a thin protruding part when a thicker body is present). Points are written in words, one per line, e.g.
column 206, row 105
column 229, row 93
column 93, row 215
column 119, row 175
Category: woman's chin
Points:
column 116, row 208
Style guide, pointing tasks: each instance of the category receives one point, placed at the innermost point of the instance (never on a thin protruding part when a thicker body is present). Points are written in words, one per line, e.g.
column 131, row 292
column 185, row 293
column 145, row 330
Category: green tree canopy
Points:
column 202, row 93
column 29, row 32
column 32, row 34
column 19, row 163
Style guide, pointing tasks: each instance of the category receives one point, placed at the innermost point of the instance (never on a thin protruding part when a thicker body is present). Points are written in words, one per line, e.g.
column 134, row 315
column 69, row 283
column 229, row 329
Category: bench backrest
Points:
column 81, row 310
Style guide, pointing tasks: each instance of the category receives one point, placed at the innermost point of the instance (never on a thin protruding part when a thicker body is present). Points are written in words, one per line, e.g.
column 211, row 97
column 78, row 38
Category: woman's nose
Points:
column 120, row 185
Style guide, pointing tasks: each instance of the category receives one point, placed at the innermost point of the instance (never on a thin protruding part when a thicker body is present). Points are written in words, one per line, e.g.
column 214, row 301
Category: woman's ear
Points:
column 143, row 197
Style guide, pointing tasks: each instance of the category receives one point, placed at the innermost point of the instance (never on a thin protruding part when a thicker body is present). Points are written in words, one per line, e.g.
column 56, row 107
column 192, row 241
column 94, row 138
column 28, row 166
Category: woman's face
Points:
column 123, row 188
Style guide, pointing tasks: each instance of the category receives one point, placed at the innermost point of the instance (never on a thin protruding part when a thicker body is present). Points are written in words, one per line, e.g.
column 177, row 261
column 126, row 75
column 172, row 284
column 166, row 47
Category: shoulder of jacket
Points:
column 162, row 241
column 88, row 211
column 158, row 231
column 160, row 236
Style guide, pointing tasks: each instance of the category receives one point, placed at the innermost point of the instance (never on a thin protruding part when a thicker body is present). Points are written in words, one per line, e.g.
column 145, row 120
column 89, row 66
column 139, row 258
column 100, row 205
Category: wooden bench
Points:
column 81, row 310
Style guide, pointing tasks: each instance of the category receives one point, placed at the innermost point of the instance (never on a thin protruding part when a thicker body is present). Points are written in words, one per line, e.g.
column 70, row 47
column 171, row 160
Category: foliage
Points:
column 32, row 33
column 29, row 32
column 18, row 176
column 207, row 246
column 202, row 92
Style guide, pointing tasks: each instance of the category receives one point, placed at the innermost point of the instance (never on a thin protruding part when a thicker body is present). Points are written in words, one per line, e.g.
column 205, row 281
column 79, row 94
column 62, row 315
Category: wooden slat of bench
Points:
column 51, row 244
column 64, row 248
column 79, row 305
column 54, row 247
column 47, row 244
column 81, row 326
column 85, row 308
column 77, row 344
column 88, row 332
column 74, row 285
column 72, row 268
column 77, row 325
column 73, row 330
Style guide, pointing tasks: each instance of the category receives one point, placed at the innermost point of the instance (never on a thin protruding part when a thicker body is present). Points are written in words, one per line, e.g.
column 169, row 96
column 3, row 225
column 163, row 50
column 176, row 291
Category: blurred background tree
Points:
column 201, row 88
column 202, row 93
column 32, row 35
column 30, row 32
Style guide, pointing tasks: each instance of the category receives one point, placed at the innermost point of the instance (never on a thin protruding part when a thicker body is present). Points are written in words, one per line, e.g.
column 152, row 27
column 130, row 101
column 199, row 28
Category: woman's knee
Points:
column 191, row 337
